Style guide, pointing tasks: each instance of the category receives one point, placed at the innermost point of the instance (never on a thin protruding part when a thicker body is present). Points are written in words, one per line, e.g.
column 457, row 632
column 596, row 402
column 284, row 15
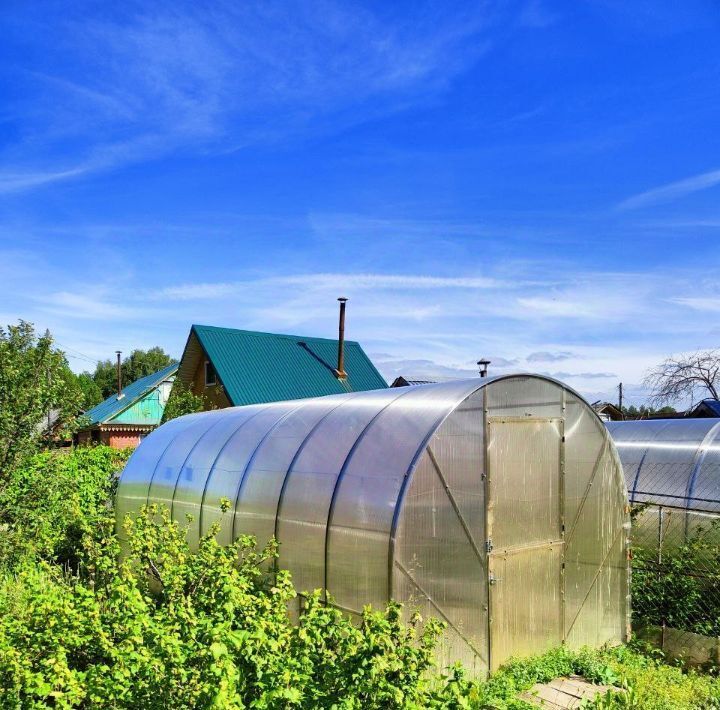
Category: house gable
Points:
column 113, row 407
column 148, row 409
column 254, row 367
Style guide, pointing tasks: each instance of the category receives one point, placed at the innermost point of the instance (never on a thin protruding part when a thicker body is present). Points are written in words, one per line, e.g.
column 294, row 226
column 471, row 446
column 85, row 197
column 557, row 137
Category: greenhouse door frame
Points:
column 525, row 535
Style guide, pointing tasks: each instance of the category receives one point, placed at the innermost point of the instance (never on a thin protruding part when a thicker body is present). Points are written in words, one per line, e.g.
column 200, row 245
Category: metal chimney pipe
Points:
column 340, row 372
column 119, row 374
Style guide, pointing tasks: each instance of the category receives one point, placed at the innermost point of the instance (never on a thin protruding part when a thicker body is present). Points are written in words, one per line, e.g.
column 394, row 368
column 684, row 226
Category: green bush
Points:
column 53, row 500
column 36, row 384
column 168, row 628
column 182, row 401
column 682, row 588
column 648, row 683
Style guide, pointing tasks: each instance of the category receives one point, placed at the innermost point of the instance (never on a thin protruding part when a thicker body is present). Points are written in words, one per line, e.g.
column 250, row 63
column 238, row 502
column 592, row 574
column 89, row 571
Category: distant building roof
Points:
column 255, row 367
column 706, row 408
column 608, row 411
column 403, row 382
column 112, row 406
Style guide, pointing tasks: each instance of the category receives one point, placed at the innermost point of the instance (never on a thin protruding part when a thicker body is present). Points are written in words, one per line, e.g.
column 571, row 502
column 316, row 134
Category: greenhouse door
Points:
column 525, row 535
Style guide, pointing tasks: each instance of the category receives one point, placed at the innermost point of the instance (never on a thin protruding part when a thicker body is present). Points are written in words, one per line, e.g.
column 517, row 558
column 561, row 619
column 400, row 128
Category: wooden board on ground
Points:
column 563, row 693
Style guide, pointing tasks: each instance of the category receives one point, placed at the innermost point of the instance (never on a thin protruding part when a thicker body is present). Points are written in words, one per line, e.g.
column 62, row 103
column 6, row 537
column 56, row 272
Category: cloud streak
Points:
column 329, row 281
column 544, row 356
column 178, row 79
column 672, row 191
column 523, row 316
column 709, row 304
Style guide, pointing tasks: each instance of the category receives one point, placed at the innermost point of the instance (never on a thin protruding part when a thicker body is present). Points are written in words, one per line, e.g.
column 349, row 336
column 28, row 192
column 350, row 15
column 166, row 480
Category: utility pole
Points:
column 620, row 398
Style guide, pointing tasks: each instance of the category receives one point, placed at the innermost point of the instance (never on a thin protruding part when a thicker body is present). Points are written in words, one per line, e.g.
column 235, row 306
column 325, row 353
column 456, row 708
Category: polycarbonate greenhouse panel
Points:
column 525, row 602
column 257, row 503
column 312, row 481
column 137, row 474
column 673, row 462
column 497, row 505
column 596, row 533
column 192, row 478
column 369, row 486
column 440, row 556
column 171, row 461
column 229, row 469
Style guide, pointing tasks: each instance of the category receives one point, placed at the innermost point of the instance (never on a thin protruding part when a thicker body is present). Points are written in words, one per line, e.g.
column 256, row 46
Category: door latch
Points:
column 492, row 579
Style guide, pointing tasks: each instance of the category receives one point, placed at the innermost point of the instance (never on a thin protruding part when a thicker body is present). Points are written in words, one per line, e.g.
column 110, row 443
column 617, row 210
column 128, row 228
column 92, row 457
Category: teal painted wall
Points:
column 148, row 410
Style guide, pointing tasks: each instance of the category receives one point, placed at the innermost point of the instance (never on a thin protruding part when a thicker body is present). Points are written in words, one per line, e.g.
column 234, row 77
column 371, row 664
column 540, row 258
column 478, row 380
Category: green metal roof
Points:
column 256, row 367
column 112, row 407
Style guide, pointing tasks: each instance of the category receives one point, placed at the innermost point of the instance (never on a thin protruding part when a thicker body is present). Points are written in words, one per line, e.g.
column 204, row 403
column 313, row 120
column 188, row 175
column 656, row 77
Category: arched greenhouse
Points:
column 672, row 466
column 674, row 462
column 497, row 505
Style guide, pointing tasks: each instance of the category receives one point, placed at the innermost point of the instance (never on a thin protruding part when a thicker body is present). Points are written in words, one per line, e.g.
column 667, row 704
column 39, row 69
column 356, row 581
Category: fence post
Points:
column 659, row 574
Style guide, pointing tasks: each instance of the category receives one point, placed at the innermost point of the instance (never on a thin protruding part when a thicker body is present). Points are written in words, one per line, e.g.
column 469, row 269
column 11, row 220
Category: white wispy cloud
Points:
column 421, row 325
column 672, row 191
column 329, row 282
column 562, row 375
column 545, row 356
column 13, row 182
column 181, row 79
column 700, row 303
column 422, row 369
column 91, row 306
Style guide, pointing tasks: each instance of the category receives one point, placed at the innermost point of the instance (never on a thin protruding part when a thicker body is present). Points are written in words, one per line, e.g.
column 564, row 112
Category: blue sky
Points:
column 533, row 182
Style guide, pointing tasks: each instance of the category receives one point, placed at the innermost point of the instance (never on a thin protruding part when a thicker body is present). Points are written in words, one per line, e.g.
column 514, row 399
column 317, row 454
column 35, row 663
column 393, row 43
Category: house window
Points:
column 210, row 376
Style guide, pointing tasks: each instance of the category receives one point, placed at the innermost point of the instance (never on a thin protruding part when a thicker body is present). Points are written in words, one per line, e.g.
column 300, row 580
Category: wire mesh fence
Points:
column 676, row 581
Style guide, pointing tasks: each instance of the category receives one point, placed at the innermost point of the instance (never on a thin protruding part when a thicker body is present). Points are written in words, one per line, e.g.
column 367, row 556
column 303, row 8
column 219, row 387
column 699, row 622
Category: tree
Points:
column 632, row 412
column 685, row 377
column 145, row 362
column 182, row 401
column 35, row 382
column 138, row 364
column 91, row 392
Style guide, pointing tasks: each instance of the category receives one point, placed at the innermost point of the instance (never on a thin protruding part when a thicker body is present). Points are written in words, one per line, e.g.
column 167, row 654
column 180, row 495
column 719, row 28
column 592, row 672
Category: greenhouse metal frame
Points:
column 496, row 504
column 672, row 470
column 672, row 462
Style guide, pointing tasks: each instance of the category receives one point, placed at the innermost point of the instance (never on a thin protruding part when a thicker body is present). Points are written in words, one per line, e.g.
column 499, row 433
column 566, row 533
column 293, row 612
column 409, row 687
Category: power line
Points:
column 78, row 355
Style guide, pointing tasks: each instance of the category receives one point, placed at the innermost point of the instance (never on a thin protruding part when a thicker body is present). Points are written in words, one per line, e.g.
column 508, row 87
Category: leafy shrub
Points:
column 35, row 382
column 648, row 683
column 183, row 401
column 168, row 628
column 53, row 500
column 682, row 588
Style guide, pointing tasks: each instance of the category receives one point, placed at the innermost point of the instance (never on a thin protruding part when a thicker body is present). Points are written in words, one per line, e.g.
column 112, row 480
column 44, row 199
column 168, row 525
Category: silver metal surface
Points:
column 385, row 494
column 672, row 462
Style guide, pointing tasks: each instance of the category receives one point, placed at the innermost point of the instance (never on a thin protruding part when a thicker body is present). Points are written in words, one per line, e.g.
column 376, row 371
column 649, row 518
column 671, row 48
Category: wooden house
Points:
column 124, row 420
column 230, row 367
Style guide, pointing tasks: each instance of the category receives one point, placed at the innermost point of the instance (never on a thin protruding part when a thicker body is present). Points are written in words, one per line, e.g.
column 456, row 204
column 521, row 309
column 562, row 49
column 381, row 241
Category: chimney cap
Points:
column 342, row 299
